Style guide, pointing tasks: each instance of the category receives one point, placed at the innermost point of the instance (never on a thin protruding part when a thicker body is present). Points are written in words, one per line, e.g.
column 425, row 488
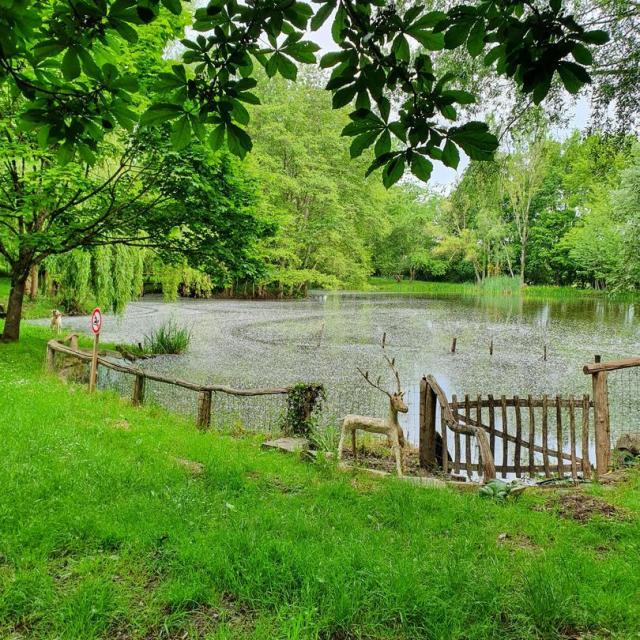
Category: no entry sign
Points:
column 96, row 320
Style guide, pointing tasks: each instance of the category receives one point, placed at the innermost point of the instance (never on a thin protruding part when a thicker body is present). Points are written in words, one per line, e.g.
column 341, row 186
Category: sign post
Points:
column 96, row 326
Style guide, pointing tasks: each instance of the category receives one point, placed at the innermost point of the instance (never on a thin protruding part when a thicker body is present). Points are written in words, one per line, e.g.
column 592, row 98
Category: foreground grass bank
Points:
column 494, row 287
column 126, row 523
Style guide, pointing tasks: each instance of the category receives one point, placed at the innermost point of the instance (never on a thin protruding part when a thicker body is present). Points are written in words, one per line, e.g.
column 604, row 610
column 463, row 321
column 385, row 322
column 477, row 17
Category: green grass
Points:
column 104, row 534
column 497, row 286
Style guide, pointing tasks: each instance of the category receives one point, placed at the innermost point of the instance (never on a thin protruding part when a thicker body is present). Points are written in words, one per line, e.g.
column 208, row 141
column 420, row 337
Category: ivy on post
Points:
column 302, row 400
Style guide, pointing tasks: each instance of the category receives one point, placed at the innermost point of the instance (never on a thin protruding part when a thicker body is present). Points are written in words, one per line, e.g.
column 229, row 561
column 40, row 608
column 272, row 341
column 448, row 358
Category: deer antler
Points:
column 391, row 362
column 375, row 385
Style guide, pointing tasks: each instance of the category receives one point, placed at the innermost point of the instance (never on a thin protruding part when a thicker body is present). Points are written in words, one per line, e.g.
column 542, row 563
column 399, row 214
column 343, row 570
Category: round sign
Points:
column 96, row 320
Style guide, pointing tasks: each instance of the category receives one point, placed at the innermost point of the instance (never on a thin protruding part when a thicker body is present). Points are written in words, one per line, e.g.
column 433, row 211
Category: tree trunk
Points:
column 33, row 289
column 523, row 256
column 11, row 331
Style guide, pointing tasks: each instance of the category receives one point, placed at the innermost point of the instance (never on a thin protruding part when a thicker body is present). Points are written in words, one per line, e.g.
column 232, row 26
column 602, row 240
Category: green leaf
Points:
column 459, row 96
column 175, row 6
column 216, row 137
column 287, row 68
column 475, row 140
column 302, row 51
column 450, row 155
column 362, row 142
column 271, row 67
column 421, row 167
column 456, row 35
column 125, row 30
column 240, row 113
column 338, row 24
column 581, row 54
column 321, row 15
column 181, row 133
column 344, row 96
column 332, row 58
column 238, row 141
column 573, row 76
column 393, row 171
column 429, row 20
column 249, row 98
column 70, row 64
column 383, row 145
column 428, row 39
column 475, row 42
column 160, row 112
column 595, row 37
column 401, row 49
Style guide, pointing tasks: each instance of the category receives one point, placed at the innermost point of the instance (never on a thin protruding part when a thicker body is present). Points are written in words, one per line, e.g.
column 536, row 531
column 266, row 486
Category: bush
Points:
column 168, row 338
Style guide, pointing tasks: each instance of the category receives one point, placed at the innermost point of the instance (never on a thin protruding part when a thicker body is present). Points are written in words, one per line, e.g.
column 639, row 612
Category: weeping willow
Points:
column 109, row 276
column 180, row 279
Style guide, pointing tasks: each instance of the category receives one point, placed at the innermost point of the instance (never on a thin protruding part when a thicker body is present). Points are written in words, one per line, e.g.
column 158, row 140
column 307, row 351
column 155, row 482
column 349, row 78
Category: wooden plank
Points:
column 428, row 433
column 537, row 403
column 518, row 437
column 601, row 422
column 492, row 425
column 445, row 446
column 559, row 434
column 456, row 438
column 611, row 365
column 467, row 437
column 511, row 438
column 586, row 464
column 545, row 435
column 532, row 437
column 505, row 430
column 572, row 437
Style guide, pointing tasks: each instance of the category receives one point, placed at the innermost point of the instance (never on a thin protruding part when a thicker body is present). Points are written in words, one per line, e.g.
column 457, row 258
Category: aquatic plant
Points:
column 168, row 338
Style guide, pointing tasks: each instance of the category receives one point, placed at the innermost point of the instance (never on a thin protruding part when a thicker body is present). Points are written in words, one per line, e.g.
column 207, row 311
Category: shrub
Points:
column 167, row 338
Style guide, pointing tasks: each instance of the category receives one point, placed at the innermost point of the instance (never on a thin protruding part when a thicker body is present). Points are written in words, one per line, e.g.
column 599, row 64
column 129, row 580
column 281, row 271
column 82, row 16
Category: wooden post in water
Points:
column 491, row 347
column 204, row 410
column 428, row 400
column 138, row 390
column 454, row 342
column 601, row 419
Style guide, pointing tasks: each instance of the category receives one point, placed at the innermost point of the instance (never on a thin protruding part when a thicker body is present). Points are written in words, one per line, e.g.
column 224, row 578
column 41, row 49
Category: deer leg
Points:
column 353, row 445
column 397, row 451
column 401, row 440
column 341, row 442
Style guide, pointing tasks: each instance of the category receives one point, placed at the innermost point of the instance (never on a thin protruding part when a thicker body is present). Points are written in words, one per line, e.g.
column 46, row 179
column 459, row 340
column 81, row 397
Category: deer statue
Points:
column 389, row 427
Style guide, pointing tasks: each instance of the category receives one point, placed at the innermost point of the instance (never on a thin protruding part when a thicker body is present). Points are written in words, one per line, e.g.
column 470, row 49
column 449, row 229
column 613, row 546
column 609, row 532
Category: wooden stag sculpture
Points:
column 389, row 427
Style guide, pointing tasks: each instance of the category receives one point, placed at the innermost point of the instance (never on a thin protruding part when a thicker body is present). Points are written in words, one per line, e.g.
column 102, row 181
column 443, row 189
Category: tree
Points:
column 130, row 187
column 523, row 173
column 54, row 53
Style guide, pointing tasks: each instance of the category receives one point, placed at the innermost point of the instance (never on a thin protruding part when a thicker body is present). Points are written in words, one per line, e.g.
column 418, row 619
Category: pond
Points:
column 325, row 337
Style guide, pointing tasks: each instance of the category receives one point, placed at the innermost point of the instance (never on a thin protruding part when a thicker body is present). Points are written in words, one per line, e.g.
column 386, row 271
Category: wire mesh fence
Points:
column 624, row 400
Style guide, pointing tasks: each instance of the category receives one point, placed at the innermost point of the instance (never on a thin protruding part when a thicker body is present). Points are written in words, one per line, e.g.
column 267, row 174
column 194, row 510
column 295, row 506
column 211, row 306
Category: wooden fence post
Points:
column 51, row 359
column 601, row 419
column 428, row 401
column 138, row 390
column 204, row 409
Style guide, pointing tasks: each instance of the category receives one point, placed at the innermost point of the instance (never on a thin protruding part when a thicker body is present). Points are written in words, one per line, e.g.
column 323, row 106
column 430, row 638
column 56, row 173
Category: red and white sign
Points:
column 96, row 320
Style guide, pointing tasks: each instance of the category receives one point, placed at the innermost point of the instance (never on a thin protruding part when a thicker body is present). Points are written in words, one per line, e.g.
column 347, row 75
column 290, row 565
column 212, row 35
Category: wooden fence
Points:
column 140, row 377
column 526, row 435
column 548, row 435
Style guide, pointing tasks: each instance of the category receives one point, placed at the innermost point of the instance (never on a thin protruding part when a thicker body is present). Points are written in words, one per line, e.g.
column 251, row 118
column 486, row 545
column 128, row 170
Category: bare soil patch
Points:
column 582, row 508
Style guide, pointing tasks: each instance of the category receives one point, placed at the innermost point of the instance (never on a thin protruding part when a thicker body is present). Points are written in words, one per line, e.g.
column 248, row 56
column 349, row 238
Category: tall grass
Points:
column 501, row 285
column 168, row 338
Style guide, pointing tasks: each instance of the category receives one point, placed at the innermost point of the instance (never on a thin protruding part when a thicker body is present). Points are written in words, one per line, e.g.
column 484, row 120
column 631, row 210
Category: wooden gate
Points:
column 526, row 436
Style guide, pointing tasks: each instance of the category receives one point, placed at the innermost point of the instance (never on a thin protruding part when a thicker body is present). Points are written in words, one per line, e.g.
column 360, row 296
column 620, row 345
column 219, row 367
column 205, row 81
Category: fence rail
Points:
column 141, row 377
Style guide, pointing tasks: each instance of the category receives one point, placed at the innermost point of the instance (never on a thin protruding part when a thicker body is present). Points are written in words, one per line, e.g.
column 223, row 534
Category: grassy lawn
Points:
column 105, row 533
column 493, row 286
